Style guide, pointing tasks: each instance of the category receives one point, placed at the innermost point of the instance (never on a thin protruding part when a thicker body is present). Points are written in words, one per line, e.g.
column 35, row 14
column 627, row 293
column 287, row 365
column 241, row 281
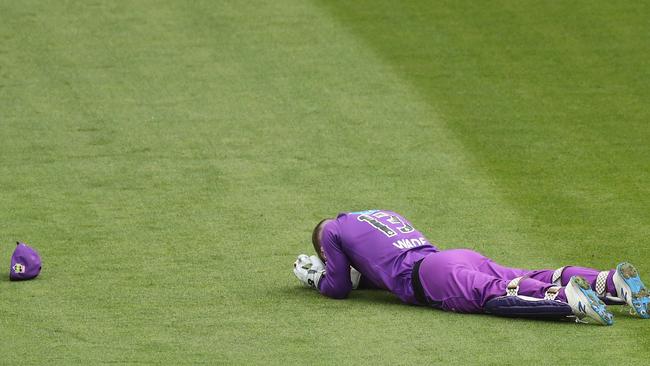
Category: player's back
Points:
column 383, row 246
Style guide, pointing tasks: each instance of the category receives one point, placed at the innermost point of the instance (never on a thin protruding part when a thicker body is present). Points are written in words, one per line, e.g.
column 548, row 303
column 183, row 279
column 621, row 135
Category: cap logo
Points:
column 19, row 268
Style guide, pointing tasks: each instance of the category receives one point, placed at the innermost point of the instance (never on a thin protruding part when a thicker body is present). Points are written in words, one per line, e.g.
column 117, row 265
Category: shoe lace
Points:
column 580, row 321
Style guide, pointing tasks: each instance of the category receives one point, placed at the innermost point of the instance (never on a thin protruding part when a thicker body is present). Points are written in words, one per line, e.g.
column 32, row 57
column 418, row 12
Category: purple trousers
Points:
column 463, row 280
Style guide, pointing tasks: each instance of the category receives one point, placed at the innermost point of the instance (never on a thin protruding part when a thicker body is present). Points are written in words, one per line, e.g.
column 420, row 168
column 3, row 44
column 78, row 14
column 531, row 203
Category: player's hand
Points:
column 302, row 268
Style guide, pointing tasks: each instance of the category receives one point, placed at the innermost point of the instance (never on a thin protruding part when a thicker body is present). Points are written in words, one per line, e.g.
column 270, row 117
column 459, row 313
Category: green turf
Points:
column 168, row 160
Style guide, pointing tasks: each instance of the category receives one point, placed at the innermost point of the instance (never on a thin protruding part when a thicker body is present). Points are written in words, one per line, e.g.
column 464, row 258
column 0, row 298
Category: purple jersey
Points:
column 382, row 245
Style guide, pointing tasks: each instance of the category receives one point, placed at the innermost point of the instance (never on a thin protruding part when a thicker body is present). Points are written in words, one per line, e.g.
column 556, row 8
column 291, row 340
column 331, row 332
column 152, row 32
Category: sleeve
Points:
column 336, row 283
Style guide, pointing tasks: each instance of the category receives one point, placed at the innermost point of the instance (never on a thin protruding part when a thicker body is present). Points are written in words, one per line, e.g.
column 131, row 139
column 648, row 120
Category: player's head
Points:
column 316, row 238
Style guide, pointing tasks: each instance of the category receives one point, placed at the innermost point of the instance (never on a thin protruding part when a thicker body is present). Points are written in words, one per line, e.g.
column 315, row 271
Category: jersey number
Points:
column 401, row 226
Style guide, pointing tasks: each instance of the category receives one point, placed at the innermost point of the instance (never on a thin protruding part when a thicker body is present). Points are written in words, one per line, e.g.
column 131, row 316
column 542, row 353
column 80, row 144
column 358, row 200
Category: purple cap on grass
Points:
column 25, row 263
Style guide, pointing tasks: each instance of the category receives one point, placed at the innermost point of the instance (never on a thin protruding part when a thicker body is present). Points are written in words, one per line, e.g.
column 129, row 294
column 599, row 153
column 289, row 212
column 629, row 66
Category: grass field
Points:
column 168, row 159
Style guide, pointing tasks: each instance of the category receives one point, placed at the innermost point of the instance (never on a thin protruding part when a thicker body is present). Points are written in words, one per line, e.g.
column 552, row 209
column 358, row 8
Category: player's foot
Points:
column 630, row 288
column 585, row 304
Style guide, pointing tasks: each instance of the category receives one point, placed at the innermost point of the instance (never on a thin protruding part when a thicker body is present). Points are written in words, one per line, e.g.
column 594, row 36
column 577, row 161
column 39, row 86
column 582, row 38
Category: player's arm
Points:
column 336, row 282
column 358, row 281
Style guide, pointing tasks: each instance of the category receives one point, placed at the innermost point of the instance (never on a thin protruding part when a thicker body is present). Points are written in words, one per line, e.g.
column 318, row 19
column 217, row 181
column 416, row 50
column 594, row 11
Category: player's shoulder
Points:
column 377, row 213
column 359, row 213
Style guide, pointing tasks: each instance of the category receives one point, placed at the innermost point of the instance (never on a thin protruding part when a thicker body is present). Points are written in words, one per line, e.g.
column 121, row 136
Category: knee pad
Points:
column 518, row 307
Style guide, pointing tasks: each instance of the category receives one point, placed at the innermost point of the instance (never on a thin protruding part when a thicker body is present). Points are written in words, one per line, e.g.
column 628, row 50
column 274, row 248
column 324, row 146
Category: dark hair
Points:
column 314, row 238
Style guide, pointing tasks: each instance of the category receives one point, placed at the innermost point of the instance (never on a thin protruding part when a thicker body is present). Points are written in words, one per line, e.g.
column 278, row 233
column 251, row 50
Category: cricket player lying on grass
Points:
column 381, row 249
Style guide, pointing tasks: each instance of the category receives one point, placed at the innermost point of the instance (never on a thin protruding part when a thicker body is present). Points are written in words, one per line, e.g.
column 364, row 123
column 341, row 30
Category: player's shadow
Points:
column 363, row 296
column 366, row 296
column 375, row 296
column 385, row 298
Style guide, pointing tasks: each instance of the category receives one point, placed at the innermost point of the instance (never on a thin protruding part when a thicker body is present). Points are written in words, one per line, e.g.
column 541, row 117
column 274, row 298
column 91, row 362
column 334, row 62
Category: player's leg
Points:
column 602, row 282
column 456, row 280
column 615, row 287
column 576, row 300
column 452, row 280
column 489, row 267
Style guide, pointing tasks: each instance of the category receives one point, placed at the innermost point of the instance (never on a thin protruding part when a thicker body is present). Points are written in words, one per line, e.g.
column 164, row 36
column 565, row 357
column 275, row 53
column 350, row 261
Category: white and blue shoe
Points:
column 586, row 305
column 630, row 288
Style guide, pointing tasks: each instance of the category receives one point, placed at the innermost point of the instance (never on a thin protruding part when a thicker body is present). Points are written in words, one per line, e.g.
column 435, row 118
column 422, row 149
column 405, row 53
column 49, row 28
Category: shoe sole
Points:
column 593, row 308
column 631, row 289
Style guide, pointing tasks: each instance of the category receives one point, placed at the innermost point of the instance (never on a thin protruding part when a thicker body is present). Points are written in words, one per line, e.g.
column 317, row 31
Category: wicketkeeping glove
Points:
column 316, row 263
column 309, row 276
